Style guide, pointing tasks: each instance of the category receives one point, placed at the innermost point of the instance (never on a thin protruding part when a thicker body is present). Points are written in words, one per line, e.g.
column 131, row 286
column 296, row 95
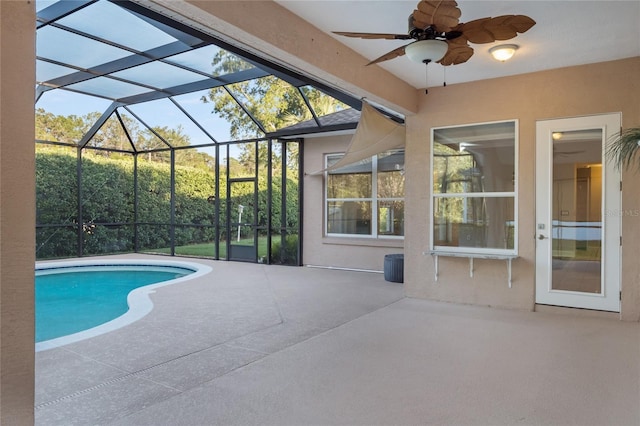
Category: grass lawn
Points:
column 208, row 249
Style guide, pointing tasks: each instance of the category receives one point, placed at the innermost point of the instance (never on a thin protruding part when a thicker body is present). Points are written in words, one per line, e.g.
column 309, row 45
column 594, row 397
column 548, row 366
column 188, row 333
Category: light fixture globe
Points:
column 426, row 50
column 503, row 52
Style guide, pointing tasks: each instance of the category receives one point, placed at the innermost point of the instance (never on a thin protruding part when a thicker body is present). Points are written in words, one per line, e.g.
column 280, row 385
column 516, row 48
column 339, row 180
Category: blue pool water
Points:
column 70, row 300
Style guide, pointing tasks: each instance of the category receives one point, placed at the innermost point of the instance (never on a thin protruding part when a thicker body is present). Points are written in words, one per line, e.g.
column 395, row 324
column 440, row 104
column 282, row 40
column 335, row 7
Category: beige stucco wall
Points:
column 342, row 252
column 575, row 91
column 17, row 211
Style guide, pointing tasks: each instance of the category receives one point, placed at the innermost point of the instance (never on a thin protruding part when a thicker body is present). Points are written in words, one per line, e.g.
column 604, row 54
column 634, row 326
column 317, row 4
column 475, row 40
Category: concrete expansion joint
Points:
column 82, row 392
column 244, row 348
column 129, row 375
column 273, row 295
column 155, row 366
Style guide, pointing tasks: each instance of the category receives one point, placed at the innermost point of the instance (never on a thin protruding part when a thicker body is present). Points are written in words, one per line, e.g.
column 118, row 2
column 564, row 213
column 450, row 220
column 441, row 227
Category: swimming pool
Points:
column 81, row 299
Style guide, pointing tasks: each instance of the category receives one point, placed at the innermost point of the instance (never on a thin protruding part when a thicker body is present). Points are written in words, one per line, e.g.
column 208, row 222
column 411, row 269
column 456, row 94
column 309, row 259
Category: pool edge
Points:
column 139, row 302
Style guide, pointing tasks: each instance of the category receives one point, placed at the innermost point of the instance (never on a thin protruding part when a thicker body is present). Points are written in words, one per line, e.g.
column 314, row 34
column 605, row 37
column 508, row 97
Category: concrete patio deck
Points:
column 271, row 345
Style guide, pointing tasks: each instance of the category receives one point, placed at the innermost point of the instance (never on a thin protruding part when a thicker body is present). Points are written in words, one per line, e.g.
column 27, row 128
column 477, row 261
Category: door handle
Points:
column 541, row 237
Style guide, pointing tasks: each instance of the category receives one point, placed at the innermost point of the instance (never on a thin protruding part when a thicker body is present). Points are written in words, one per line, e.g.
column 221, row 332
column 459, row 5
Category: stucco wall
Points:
column 17, row 211
column 344, row 252
column 568, row 92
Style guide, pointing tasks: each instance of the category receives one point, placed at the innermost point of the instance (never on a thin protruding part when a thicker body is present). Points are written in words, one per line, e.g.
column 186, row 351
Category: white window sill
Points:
column 364, row 242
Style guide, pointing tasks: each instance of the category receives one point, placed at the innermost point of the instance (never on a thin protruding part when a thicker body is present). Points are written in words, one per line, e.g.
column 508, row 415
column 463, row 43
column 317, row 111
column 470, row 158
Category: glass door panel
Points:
column 577, row 211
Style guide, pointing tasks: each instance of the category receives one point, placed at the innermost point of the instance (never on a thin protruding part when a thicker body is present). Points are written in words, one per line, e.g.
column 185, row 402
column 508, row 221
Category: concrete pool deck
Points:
column 273, row 345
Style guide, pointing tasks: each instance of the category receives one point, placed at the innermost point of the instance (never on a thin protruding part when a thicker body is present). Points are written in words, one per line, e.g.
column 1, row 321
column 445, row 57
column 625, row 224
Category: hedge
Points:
column 108, row 197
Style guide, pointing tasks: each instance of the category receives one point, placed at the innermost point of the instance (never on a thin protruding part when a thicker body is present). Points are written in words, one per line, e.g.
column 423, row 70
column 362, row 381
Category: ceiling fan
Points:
column 440, row 36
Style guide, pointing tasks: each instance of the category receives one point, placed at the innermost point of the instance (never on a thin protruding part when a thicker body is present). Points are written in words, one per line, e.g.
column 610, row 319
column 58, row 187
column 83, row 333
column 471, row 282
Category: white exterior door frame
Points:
column 550, row 256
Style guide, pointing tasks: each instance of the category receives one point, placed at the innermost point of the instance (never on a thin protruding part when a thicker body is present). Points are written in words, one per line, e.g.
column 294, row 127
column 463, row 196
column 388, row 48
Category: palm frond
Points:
column 624, row 148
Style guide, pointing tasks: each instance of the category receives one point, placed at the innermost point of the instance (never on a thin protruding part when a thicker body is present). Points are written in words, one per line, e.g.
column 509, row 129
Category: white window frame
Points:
column 373, row 200
column 433, row 196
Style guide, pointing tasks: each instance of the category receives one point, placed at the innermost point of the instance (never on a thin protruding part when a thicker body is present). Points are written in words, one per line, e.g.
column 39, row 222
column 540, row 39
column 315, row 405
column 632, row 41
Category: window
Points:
column 366, row 198
column 473, row 188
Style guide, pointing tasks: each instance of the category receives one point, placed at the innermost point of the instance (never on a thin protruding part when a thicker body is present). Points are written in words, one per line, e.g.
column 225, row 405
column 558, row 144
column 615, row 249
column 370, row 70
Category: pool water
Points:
column 70, row 300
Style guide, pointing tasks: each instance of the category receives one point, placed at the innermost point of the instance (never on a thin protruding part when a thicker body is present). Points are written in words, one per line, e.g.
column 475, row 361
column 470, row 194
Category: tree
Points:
column 111, row 135
column 72, row 128
column 58, row 128
column 274, row 103
column 146, row 140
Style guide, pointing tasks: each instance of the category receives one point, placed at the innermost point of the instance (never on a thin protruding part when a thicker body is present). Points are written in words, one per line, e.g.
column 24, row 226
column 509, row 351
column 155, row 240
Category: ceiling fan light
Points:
column 503, row 52
column 426, row 50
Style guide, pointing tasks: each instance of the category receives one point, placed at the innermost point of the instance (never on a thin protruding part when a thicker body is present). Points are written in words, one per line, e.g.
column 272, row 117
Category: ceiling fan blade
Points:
column 389, row 55
column 443, row 15
column 488, row 30
column 374, row 36
column 458, row 53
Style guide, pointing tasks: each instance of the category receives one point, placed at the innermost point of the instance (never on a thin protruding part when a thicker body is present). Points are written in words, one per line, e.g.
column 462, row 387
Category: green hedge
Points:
column 108, row 197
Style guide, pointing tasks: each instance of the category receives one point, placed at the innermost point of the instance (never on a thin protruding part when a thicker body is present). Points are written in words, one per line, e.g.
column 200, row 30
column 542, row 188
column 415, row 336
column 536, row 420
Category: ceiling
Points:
column 566, row 33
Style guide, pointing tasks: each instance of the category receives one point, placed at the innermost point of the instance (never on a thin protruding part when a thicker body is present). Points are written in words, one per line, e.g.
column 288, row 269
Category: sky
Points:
column 76, row 43
column 157, row 113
